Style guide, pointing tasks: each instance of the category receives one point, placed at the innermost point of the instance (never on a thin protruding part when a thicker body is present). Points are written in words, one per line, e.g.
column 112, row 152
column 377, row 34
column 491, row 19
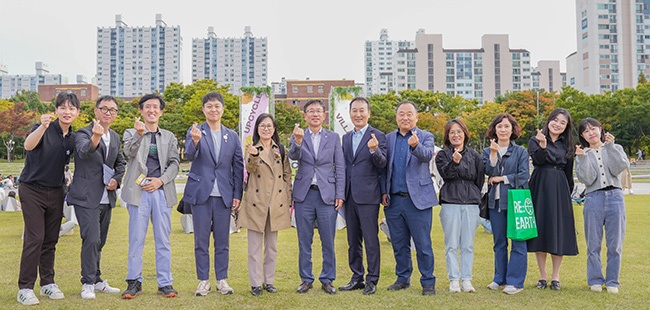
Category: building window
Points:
column 294, row 89
column 321, row 89
column 310, row 89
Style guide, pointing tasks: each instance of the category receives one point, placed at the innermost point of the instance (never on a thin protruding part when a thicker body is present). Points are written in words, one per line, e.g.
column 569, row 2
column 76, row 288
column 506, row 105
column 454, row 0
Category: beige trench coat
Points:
column 268, row 191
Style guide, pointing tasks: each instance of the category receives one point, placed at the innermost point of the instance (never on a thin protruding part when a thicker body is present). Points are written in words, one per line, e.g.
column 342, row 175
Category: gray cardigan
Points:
column 601, row 167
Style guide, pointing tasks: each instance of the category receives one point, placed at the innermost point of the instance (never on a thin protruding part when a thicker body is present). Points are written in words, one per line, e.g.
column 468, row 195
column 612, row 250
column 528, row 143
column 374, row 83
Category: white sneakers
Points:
column 103, row 287
column 454, row 286
column 27, row 297
column 493, row 286
column 468, row 287
column 612, row 290
column 87, row 291
column 204, row 288
column 52, row 291
column 224, row 288
column 596, row 288
column 511, row 290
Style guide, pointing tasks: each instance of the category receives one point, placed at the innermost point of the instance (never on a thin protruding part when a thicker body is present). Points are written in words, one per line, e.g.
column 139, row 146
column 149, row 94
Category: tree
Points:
column 32, row 101
column 14, row 121
column 642, row 78
column 286, row 115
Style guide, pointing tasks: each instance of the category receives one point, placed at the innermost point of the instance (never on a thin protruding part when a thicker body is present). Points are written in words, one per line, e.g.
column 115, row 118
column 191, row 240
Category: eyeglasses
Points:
column 265, row 126
column 456, row 133
column 314, row 111
column 106, row 110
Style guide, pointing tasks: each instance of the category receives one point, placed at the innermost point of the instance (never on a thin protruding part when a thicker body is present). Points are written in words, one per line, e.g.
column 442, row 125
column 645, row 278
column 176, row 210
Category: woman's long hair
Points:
column 567, row 135
column 256, row 134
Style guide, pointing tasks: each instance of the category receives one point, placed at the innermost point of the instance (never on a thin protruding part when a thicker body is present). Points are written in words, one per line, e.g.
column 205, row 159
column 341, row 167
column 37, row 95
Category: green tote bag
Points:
column 521, row 215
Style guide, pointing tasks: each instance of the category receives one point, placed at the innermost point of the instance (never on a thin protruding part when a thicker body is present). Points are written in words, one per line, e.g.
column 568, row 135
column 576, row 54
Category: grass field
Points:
column 574, row 294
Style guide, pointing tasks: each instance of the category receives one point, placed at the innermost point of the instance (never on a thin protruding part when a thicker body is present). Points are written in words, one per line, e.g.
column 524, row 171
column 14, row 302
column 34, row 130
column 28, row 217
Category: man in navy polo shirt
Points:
column 49, row 146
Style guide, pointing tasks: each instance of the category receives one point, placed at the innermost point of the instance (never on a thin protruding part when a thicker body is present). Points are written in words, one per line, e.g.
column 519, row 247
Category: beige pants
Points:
column 262, row 271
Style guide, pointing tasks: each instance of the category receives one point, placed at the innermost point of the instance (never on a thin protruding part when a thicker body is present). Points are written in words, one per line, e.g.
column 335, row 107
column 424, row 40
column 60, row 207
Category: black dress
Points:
column 551, row 185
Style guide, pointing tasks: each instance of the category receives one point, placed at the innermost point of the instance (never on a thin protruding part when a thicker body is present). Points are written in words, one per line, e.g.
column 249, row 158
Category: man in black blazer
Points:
column 364, row 150
column 99, row 167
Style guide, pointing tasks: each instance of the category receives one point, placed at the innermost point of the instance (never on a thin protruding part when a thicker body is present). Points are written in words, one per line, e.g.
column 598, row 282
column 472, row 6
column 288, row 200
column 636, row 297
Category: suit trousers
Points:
column 512, row 271
column 405, row 221
column 262, row 271
column 363, row 228
column 313, row 209
column 93, row 225
column 213, row 216
column 42, row 214
column 152, row 206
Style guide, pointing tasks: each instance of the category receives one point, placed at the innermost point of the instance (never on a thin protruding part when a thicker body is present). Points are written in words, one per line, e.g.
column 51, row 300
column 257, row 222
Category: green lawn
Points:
column 574, row 293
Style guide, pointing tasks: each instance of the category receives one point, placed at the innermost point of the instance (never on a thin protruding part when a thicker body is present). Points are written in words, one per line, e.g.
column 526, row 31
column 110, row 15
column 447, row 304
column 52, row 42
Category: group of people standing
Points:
column 350, row 179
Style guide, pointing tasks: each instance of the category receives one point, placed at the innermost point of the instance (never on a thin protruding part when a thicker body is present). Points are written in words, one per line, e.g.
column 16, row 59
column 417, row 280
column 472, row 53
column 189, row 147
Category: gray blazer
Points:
column 136, row 149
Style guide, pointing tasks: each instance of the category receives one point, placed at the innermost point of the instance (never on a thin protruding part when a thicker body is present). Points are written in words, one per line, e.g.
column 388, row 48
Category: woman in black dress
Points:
column 551, row 184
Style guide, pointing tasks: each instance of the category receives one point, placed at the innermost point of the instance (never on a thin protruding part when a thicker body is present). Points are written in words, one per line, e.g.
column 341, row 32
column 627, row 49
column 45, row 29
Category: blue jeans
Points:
column 152, row 206
column 405, row 221
column 606, row 209
column 512, row 271
column 459, row 223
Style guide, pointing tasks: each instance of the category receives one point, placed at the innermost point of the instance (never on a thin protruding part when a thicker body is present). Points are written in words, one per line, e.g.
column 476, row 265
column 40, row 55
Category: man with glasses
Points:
column 318, row 192
column 99, row 167
column 150, row 194
column 213, row 188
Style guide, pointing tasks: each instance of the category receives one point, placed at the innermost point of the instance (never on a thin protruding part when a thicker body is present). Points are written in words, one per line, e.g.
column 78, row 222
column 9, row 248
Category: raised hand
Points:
column 98, row 129
column 298, row 133
column 579, row 150
column 541, row 138
column 46, row 119
column 195, row 132
column 494, row 147
column 457, row 156
column 139, row 126
column 609, row 138
column 373, row 143
column 252, row 150
column 413, row 140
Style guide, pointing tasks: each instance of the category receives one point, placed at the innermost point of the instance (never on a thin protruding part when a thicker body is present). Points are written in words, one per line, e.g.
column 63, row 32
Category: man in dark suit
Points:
column 318, row 192
column 411, row 196
column 99, row 167
column 214, row 187
column 364, row 150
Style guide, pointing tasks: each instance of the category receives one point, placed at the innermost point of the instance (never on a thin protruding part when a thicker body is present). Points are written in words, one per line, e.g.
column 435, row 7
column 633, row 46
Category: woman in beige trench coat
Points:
column 266, row 202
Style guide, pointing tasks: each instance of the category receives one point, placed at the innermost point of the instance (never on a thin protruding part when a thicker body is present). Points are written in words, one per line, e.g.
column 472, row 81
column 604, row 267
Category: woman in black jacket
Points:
column 462, row 170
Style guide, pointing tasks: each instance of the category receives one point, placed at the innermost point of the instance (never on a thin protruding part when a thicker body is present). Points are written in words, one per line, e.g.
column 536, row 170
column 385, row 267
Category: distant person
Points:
column 49, row 146
column 10, row 203
column 99, row 167
column 150, row 194
column 604, row 204
column 214, row 188
column 264, row 209
column 626, row 181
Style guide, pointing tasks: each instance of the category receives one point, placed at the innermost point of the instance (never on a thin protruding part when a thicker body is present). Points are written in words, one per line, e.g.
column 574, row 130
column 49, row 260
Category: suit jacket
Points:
column 329, row 167
column 365, row 173
column 227, row 171
column 88, row 186
column 418, row 175
column 136, row 149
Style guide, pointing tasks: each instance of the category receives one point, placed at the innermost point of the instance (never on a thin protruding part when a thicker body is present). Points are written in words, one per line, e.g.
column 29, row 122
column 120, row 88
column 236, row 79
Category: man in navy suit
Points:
column 318, row 192
column 214, row 187
column 99, row 168
column 411, row 196
column 364, row 150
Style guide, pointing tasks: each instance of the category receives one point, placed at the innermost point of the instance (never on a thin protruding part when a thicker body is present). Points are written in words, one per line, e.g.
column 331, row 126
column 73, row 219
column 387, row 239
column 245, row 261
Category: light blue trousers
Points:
column 604, row 209
column 152, row 206
column 459, row 223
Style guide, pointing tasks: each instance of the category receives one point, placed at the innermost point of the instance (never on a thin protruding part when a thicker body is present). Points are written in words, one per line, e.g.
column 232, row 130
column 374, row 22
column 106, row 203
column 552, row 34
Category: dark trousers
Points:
column 405, row 221
column 362, row 227
column 93, row 225
column 213, row 215
column 42, row 214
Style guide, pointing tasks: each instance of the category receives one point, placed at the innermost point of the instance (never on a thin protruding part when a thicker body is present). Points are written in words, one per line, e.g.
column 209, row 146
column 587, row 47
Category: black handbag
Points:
column 484, row 211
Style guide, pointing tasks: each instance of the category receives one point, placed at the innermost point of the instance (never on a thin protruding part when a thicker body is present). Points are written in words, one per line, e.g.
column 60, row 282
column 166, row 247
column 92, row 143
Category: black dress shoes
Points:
column 270, row 288
column 353, row 285
column 398, row 286
column 329, row 288
column 370, row 289
column 304, row 287
column 428, row 290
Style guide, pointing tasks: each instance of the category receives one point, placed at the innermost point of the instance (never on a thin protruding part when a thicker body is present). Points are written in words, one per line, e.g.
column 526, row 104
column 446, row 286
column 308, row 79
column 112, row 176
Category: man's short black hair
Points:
column 64, row 97
column 152, row 96
column 213, row 95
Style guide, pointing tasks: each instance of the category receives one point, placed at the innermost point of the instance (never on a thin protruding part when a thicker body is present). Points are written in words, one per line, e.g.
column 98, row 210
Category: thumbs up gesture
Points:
column 195, row 132
column 98, row 129
column 457, row 156
column 541, row 138
column 413, row 140
column 138, row 125
column 373, row 143
column 298, row 133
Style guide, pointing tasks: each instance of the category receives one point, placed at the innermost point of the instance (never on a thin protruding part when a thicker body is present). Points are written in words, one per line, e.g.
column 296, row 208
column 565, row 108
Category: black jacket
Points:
column 463, row 181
